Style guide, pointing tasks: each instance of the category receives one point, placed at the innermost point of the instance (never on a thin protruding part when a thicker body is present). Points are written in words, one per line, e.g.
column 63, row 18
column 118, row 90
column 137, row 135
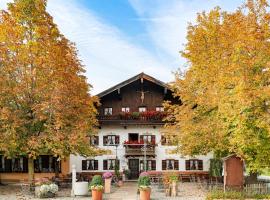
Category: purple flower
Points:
column 107, row 175
column 144, row 174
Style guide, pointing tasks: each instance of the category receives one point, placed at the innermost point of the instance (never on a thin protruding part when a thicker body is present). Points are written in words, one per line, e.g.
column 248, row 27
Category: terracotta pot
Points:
column 145, row 194
column 96, row 194
column 120, row 183
column 108, row 185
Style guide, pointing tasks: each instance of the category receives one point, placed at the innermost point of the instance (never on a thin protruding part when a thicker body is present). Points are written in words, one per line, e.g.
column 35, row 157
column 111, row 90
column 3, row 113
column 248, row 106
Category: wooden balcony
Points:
column 149, row 117
column 138, row 150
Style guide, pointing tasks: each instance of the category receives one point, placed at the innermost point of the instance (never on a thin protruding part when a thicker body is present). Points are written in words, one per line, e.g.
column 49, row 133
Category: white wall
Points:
column 123, row 133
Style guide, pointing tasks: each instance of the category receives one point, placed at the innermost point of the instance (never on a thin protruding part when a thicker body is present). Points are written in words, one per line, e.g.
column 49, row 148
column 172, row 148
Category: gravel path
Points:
column 187, row 191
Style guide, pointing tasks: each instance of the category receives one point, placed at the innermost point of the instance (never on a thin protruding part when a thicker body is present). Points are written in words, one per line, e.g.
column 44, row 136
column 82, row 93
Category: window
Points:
column 168, row 140
column 90, row 164
column 142, row 109
column 194, row 164
column 160, row 109
column 13, row 165
column 170, row 164
column 94, row 140
column 111, row 140
column 46, row 163
column 150, row 165
column 125, row 109
column 110, row 164
column 107, row 111
column 148, row 138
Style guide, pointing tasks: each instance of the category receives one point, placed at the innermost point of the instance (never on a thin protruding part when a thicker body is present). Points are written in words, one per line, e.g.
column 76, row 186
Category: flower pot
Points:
column 81, row 188
column 108, row 185
column 145, row 194
column 96, row 194
column 120, row 183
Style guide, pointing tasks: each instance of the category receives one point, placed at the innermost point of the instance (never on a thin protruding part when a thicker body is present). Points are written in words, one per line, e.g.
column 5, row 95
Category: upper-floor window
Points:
column 159, row 108
column 168, row 140
column 107, row 111
column 125, row 109
column 110, row 164
column 90, row 164
column 170, row 164
column 194, row 164
column 142, row 109
column 148, row 138
column 94, row 140
column 111, row 140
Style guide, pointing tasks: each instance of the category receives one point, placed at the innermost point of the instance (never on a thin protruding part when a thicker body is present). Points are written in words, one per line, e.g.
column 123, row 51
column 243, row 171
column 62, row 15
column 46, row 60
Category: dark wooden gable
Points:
column 128, row 94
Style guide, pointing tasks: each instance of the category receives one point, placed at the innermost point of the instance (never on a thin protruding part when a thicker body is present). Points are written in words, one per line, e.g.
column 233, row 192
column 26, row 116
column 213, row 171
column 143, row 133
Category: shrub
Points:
column 96, row 183
column 220, row 194
column 144, row 181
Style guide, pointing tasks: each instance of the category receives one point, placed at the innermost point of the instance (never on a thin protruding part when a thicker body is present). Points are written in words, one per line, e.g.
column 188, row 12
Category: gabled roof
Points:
column 131, row 80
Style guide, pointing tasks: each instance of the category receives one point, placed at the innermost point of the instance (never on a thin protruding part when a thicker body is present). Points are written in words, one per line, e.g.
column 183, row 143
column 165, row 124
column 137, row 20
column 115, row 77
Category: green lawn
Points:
column 266, row 172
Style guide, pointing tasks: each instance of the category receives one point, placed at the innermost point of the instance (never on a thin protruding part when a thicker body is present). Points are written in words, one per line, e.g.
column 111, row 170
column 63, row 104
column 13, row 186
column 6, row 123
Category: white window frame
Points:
column 160, row 109
column 125, row 109
column 108, row 111
column 142, row 109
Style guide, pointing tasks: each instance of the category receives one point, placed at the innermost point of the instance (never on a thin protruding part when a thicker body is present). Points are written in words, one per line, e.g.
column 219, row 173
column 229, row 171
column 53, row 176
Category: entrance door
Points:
column 133, row 165
column 133, row 137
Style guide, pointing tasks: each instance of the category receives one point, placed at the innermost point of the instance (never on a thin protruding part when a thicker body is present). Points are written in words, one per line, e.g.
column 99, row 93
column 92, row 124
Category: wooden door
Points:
column 133, row 165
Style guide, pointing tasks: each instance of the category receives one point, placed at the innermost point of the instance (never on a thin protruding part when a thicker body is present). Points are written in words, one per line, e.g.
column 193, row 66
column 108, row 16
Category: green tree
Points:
column 45, row 105
column 226, row 91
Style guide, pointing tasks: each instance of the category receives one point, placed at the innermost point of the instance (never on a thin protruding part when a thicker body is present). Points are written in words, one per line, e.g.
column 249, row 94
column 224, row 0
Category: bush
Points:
column 220, row 194
column 96, row 183
column 107, row 175
column 144, row 181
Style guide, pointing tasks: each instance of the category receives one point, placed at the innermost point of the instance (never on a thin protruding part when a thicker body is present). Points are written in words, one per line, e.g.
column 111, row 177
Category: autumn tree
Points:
column 45, row 105
column 225, row 92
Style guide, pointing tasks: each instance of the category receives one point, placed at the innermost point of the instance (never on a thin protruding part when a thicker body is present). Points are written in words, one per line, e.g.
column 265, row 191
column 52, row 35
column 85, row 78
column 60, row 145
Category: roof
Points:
column 131, row 80
column 230, row 156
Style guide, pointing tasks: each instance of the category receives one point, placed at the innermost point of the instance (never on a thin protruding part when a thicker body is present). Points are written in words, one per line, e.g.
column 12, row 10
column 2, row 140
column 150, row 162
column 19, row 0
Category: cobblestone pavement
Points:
column 187, row 191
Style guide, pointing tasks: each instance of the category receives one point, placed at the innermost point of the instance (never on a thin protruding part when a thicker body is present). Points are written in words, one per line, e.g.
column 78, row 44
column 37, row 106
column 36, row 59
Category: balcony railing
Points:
column 139, row 149
column 129, row 117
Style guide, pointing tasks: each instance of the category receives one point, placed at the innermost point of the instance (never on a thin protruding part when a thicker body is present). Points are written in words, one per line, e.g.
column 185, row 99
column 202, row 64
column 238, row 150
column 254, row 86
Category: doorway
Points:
column 133, row 137
column 133, row 165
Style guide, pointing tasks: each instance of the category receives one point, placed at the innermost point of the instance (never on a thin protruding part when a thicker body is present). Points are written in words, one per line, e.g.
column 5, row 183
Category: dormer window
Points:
column 107, row 111
column 142, row 109
column 125, row 109
column 160, row 109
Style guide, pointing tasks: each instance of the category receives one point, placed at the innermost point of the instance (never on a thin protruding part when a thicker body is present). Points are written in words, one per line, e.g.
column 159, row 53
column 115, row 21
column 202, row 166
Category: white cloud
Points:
column 108, row 54
column 166, row 21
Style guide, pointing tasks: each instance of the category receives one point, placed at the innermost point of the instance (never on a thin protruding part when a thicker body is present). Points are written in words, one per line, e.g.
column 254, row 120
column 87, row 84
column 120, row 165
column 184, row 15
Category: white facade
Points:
column 161, row 151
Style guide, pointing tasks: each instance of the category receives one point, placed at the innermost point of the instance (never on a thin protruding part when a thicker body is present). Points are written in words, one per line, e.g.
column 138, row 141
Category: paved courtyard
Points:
column 187, row 191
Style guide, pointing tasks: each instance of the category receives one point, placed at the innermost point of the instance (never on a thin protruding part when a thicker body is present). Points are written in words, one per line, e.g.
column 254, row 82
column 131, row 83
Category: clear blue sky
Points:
column 118, row 39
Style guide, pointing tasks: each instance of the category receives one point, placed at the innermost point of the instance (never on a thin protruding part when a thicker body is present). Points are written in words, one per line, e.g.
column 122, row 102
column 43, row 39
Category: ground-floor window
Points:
column 150, row 165
column 194, row 164
column 46, row 163
column 90, row 164
column 110, row 164
column 13, row 165
column 170, row 164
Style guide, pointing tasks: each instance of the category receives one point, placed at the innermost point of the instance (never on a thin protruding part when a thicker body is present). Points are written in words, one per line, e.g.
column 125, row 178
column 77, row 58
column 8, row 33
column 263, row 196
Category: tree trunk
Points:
column 252, row 178
column 31, row 171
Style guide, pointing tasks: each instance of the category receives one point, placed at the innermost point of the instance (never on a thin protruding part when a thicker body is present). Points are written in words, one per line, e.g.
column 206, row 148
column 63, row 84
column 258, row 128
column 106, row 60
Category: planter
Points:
column 174, row 189
column 81, row 188
column 120, row 183
column 96, row 194
column 145, row 194
column 108, row 185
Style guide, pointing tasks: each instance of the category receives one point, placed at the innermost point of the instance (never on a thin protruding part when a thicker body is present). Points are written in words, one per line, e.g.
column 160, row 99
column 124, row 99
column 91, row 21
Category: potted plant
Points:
column 126, row 174
column 108, row 179
column 144, row 186
column 96, row 187
column 46, row 189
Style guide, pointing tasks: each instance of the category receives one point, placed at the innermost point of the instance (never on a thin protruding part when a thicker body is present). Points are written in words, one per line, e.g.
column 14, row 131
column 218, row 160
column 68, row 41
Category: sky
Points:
column 118, row 39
